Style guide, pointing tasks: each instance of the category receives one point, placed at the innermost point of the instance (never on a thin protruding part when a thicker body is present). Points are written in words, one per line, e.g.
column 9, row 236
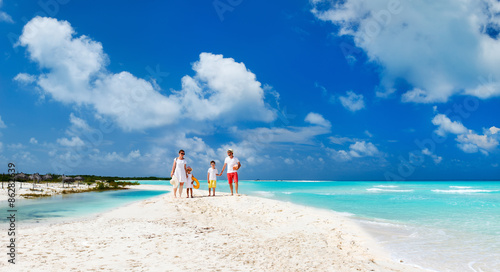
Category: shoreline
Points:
column 227, row 233
column 57, row 188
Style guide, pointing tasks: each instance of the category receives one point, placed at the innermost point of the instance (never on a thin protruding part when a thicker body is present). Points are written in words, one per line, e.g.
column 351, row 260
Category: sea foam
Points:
column 265, row 193
column 389, row 190
column 386, row 186
column 463, row 191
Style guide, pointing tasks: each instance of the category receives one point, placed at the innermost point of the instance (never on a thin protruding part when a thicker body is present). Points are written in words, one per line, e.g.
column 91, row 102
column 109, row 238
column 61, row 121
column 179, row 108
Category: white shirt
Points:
column 230, row 163
column 213, row 173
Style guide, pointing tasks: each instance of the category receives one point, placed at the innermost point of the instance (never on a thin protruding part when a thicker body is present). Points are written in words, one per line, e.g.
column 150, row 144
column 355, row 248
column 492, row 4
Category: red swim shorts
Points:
column 232, row 177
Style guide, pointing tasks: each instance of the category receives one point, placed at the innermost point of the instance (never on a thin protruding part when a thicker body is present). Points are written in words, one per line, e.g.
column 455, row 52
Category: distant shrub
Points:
column 35, row 195
column 100, row 186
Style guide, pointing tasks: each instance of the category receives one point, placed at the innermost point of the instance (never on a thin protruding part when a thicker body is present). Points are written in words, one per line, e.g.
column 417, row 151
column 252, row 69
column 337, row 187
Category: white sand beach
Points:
column 222, row 233
column 44, row 189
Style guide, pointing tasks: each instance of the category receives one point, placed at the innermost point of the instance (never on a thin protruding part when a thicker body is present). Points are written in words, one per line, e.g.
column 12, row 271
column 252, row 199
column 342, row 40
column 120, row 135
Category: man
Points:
column 233, row 164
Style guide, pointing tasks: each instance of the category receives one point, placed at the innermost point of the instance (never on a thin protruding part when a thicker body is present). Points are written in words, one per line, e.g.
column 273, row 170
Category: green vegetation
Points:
column 100, row 186
column 5, row 177
column 35, row 195
column 112, row 185
column 93, row 178
column 102, row 183
column 86, row 178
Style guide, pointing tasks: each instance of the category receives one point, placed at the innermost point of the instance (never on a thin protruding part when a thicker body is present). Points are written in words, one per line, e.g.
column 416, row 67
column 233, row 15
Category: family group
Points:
column 182, row 174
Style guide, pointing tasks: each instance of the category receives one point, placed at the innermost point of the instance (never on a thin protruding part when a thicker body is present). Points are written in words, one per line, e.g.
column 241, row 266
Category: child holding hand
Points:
column 189, row 182
column 212, row 178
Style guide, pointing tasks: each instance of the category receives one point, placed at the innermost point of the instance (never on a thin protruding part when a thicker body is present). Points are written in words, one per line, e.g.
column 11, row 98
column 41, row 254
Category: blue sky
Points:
column 347, row 90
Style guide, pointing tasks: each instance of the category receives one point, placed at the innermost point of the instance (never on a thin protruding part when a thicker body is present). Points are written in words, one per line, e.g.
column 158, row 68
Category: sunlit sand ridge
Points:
column 221, row 233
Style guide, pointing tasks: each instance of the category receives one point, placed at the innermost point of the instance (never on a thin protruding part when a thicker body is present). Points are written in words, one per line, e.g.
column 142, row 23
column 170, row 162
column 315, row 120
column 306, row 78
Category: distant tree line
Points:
column 88, row 178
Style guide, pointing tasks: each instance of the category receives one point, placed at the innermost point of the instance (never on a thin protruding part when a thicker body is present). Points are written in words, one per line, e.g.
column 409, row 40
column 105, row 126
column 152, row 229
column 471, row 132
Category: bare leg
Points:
column 231, row 186
column 214, row 192
column 180, row 189
column 175, row 192
column 236, row 185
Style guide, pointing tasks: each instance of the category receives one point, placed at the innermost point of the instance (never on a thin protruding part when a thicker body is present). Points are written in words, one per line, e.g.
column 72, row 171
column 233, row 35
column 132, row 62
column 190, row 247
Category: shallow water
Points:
column 69, row 206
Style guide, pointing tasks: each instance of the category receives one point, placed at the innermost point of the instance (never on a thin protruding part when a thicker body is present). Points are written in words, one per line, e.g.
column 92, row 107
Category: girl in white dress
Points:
column 179, row 170
column 189, row 182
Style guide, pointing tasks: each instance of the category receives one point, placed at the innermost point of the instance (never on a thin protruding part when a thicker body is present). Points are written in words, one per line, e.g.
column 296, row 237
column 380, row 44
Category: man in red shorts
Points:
column 233, row 164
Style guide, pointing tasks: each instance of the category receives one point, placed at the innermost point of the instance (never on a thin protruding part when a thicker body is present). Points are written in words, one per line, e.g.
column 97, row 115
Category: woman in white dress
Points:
column 179, row 170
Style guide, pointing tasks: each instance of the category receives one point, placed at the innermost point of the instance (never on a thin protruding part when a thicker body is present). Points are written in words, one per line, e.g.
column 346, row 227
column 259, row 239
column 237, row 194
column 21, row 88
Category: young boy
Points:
column 212, row 178
column 189, row 182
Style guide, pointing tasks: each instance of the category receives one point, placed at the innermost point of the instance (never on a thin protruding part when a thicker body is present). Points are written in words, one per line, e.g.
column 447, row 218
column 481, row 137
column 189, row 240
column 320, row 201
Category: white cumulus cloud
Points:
column 16, row 146
column 221, row 88
column 73, row 142
column 289, row 161
column 472, row 142
column 352, row 101
column 116, row 157
column 224, row 89
column 494, row 130
column 437, row 159
column 245, row 150
column 358, row 149
column 338, row 155
column 419, row 41
column 445, row 125
column 317, row 119
column 468, row 140
column 363, row 149
column 78, row 124
column 24, row 78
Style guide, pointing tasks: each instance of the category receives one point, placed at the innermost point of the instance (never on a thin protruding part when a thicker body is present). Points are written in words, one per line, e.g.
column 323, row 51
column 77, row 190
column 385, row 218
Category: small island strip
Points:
column 57, row 184
column 222, row 233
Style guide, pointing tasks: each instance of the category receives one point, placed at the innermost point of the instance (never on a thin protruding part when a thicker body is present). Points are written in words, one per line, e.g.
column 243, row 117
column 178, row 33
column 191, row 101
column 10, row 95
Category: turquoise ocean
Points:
column 438, row 225
column 442, row 226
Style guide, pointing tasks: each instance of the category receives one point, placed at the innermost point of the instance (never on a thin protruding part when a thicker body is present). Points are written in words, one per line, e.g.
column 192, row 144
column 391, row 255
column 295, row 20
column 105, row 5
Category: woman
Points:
column 179, row 170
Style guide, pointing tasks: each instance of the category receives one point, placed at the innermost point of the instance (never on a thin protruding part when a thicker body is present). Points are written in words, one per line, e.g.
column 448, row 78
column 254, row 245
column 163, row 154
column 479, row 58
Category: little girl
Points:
column 189, row 182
